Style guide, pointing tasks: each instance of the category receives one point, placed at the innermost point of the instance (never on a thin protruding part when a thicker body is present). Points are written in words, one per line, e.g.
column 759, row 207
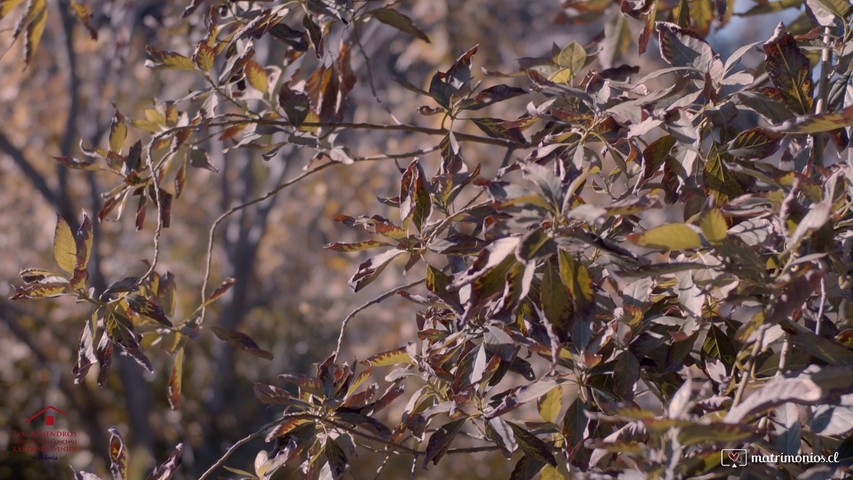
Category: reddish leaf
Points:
column 104, row 354
column 440, row 441
column 72, row 162
column 220, row 290
column 84, row 15
column 167, row 59
column 497, row 128
column 120, row 332
column 415, row 203
column 85, row 351
column 790, row 71
column 167, row 469
column 40, row 290
column 370, row 269
column 118, row 455
column 241, row 341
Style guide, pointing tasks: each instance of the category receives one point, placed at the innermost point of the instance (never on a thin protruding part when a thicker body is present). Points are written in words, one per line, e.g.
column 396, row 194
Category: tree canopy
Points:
column 347, row 239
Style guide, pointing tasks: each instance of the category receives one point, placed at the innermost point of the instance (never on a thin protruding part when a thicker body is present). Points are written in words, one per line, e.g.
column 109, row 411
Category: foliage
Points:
column 660, row 266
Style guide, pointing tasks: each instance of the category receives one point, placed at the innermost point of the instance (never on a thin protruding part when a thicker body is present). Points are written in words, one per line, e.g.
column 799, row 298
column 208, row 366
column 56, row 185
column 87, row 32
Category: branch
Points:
column 367, row 304
column 237, row 445
column 31, row 173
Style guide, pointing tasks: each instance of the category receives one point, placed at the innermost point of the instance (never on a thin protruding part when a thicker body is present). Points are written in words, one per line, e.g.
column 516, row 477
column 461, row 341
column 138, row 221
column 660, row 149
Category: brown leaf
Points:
column 241, row 341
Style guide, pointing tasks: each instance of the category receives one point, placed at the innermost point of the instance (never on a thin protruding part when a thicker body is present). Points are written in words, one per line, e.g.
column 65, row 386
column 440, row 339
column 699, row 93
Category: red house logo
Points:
column 48, row 418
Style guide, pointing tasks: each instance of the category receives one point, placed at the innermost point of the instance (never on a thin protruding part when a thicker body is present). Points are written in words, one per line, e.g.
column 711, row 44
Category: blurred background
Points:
column 290, row 294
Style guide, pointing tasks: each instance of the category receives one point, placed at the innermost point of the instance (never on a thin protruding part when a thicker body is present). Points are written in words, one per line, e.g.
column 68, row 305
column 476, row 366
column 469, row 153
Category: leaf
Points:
column 572, row 59
column 220, row 290
column 40, row 290
column 354, row 247
column 673, row 236
column 813, row 386
column 714, row 433
column 83, row 241
column 718, row 178
column 314, row 34
column 401, row 22
column 683, row 48
column 415, row 203
column 714, row 226
column 167, row 469
column 85, row 350
column 167, row 59
column 497, row 128
column 754, row 144
column 241, row 341
column 370, row 269
column 204, row 57
column 826, row 122
column 531, row 445
column 81, row 475
column 256, row 76
column 717, row 345
column 7, row 6
column 37, row 12
column 143, row 306
column 120, row 332
column 64, row 246
column 790, row 71
column 336, row 457
column 84, row 15
column 118, row 455
column 71, row 162
column 550, row 404
column 443, row 85
column 104, row 353
column 440, row 441
column 526, row 468
column 499, row 432
column 175, row 380
column 626, row 373
column 391, row 357
column 199, row 159
column 556, row 302
column 118, row 132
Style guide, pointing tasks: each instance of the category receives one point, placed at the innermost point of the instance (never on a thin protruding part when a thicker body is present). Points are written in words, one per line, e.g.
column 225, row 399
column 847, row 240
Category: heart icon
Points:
column 734, row 457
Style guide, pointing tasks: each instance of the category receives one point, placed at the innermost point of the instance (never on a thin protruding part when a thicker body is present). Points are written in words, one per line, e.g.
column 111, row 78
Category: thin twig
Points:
column 823, row 93
column 370, row 80
column 237, row 445
column 822, row 303
column 366, row 305
column 156, row 183
column 746, row 372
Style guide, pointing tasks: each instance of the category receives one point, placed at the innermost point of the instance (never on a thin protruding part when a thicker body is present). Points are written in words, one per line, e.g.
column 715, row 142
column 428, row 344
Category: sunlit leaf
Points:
column 167, row 59
column 673, row 236
column 550, row 404
column 37, row 12
column 64, row 246
column 754, row 144
column 257, row 76
column 391, row 357
column 168, row 469
column 118, row 455
column 714, row 226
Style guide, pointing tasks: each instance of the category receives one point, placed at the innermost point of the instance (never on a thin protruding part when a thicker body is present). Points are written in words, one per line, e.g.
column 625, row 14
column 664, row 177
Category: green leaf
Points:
column 715, row 433
column 204, row 57
column 37, row 12
column 826, row 122
column 401, row 22
column 754, row 144
column 391, row 357
column 118, row 132
column 354, row 247
column 550, row 404
column 626, row 372
column 64, row 246
column 241, row 341
column 672, row 236
column 551, row 473
column 572, row 59
column 717, row 345
column 556, row 302
column 714, row 226
column 256, row 76
column 167, row 59
column 532, row 445
column 526, row 468
column 534, row 245
column 719, row 179
column 120, row 332
column 790, row 71
column 497, row 128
